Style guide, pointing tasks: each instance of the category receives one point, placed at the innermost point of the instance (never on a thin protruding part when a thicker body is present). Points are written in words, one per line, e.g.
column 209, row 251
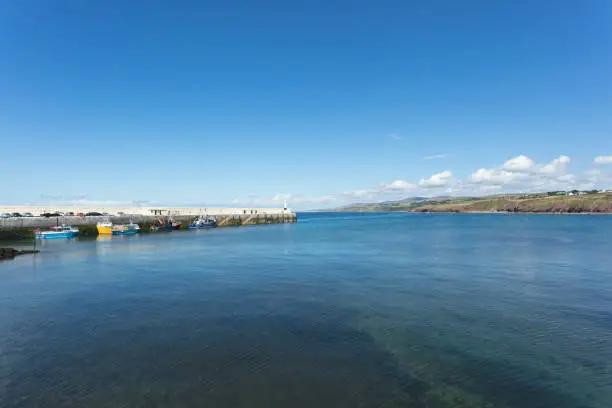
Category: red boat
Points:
column 171, row 225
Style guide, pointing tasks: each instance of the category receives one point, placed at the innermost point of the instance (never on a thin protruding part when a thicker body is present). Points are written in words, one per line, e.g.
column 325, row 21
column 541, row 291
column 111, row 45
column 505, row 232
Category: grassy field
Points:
column 534, row 203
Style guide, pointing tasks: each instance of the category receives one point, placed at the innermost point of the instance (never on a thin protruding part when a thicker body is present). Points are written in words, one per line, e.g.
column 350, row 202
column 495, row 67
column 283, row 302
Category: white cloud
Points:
column 593, row 172
column 399, row 185
column 603, row 160
column 437, row 180
column 82, row 202
column 301, row 199
column 519, row 164
column 437, row 156
column 280, row 198
column 557, row 166
column 361, row 194
column 598, row 178
column 383, row 191
column 395, row 136
column 567, row 177
column 494, row 176
column 522, row 172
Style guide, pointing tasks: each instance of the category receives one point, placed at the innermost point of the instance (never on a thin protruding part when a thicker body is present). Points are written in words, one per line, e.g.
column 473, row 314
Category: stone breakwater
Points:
column 15, row 228
column 165, row 211
column 222, row 220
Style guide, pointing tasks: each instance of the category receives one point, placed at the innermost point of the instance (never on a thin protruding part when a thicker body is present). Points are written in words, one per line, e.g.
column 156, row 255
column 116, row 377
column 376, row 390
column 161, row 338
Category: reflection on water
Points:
column 338, row 310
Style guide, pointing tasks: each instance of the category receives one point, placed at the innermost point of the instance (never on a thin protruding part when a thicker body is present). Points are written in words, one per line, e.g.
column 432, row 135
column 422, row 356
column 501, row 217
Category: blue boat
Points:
column 203, row 222
column 63, row 231
column 128, row 229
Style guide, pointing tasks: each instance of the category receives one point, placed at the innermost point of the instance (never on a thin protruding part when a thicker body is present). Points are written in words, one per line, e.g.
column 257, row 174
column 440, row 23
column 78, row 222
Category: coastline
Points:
column 464, row 212
column 537, row 203
column 510, row 212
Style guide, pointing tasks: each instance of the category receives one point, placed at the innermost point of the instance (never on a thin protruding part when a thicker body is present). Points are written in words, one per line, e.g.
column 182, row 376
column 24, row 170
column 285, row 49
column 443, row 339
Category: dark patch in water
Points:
column 256, row 361
column 505, row 383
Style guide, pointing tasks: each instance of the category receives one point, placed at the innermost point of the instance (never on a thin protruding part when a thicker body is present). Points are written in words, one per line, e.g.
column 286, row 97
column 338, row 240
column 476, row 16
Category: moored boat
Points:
column 203, row 222
column 170, row 225
column 127, row 229
column 104, row 227
column 63, row 231
column 167, row 225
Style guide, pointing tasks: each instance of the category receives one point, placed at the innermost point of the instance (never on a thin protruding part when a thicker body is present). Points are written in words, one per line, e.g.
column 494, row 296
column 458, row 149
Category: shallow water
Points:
column 339, row 310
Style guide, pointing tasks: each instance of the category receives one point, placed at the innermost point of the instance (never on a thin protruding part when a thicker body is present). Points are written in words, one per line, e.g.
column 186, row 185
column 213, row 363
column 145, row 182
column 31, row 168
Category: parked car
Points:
column 48, row 215
column 27, row 214
column 93, row 214
column 120, row 213
column 16, row 215
column 5, row 215
column 80, row 215
column 70, row 214
column 105, row 214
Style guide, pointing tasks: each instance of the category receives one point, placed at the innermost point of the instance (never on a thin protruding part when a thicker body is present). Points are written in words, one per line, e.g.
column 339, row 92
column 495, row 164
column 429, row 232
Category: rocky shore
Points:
column 10, row 253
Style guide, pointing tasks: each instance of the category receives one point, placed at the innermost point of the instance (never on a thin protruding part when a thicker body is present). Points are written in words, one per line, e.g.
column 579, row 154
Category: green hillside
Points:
column 592, row 202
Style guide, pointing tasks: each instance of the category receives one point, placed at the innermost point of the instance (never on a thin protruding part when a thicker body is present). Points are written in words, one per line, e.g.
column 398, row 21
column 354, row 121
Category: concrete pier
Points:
column 145, row 215
column 193, row 211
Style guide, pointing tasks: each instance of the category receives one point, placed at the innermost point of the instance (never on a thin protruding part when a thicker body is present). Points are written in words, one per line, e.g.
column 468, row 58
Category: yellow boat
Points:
column 104, row 228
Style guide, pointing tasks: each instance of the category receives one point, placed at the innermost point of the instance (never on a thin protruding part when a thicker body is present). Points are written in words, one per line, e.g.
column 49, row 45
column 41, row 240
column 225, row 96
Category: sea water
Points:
column 338, row 310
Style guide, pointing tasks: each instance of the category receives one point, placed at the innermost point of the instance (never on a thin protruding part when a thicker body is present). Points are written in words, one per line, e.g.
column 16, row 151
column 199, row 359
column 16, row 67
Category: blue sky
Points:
column 250, row 103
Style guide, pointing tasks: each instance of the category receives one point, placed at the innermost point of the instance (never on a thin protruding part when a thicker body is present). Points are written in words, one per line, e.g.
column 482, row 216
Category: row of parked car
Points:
column 55, row 214
column 9, row 215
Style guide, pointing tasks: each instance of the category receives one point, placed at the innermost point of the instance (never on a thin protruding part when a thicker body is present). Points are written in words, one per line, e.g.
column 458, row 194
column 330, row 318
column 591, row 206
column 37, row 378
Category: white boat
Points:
column 203, row 222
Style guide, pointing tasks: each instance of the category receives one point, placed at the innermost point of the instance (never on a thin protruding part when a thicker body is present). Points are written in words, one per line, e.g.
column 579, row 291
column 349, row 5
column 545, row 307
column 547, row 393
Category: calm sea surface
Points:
column 339, row 310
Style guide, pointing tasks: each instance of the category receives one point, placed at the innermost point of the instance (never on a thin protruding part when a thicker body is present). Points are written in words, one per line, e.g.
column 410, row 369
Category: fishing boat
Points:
column 203, row 222
column 167, row 225
column 62, row 231
column 108, row 228
column 104, row 228
column 170, row 225
column 126, row 229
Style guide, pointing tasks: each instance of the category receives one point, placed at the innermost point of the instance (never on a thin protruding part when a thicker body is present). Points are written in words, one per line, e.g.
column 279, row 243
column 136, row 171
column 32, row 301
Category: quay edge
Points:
column 22, row 227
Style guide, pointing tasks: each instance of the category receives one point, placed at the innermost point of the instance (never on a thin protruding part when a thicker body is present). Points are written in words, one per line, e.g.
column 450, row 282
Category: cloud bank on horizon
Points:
column 517, row 174
column 603, row 160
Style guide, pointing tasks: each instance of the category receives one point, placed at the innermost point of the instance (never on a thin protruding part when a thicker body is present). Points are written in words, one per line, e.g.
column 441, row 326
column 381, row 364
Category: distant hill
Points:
column 591, row 202
column 414, row 199
column 406, row 204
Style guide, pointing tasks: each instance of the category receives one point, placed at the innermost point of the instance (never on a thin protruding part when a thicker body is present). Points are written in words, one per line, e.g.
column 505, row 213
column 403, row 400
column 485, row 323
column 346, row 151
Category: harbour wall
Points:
column 222, row 220
column 165, row 211
column 226, row 217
